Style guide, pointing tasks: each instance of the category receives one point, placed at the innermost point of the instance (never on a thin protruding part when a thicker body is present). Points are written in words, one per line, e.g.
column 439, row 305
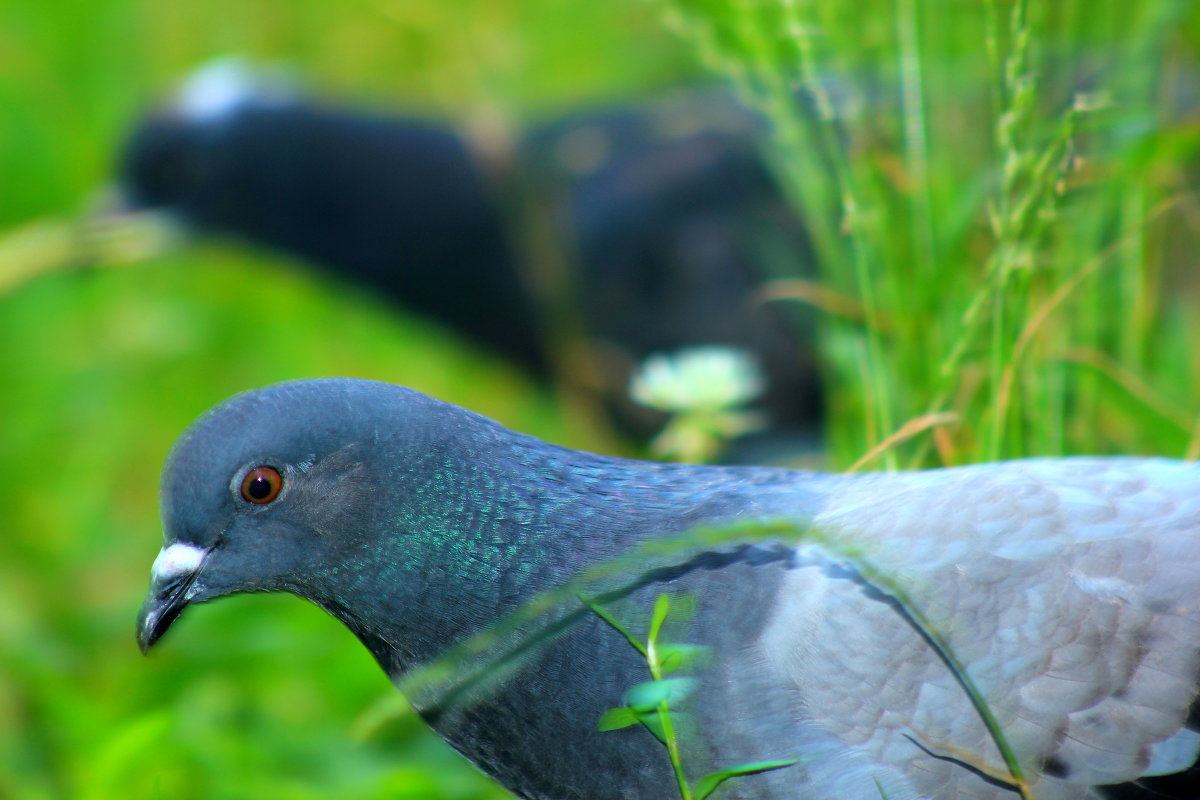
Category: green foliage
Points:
column 655, row 704
column 999, row 195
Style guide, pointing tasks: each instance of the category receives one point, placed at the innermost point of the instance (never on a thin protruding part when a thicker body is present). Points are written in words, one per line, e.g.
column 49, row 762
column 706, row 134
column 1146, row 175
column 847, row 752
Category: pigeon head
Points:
column 158, row 162
column 179, row 157
column 279, row 490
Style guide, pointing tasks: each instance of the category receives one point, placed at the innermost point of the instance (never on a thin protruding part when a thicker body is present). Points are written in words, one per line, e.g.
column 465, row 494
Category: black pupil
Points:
column 259, row 487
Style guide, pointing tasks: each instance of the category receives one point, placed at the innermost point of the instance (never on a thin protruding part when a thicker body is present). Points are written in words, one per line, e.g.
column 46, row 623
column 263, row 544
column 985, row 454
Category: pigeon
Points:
column 1020, row 629
column 395, row 204
column 597, row 239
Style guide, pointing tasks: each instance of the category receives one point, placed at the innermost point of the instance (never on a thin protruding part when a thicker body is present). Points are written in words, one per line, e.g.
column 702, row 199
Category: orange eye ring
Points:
column 261, row 485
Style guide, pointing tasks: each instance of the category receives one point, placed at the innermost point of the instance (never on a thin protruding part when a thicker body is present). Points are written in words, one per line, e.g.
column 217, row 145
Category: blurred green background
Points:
column 101, row 367
column 1002, row 200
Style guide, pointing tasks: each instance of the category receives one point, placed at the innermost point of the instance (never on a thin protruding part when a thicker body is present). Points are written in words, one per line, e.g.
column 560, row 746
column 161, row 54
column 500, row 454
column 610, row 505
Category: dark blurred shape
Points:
column 673, row 222
column 639, row 229
column 393, row 203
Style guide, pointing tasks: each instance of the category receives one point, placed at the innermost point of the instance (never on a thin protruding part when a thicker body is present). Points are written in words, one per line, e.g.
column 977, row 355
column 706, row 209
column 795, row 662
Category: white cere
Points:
column 178, row 559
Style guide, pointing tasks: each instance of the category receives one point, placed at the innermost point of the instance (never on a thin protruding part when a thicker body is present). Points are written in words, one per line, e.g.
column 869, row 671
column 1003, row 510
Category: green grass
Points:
column 1001, row 198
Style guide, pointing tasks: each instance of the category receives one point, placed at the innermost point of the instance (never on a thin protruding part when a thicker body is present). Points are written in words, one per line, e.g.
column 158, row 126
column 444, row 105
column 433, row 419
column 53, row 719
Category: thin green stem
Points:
column 664, row 717
column 916, row 146
column 890, row 587
column 601, row 612
column 852, row 214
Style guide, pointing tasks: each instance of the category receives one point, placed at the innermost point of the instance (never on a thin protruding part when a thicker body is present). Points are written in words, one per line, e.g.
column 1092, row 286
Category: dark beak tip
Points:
column 155, row 617
column 146, row 636
column 144, row 639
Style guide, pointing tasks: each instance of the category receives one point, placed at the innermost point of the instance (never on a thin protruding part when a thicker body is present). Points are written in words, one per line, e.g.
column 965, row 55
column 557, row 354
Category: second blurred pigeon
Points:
column 664, row 215
column 396, row 204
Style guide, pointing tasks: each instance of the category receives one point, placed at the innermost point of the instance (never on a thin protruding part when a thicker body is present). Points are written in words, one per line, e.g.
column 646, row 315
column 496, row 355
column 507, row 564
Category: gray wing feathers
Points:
column 1070, row 590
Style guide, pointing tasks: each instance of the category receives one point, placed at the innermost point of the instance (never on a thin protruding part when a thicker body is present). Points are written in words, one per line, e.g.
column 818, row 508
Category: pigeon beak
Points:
column 171, row 580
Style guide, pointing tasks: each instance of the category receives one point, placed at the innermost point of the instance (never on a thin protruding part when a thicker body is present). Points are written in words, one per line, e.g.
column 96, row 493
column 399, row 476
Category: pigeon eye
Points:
column 261, row 485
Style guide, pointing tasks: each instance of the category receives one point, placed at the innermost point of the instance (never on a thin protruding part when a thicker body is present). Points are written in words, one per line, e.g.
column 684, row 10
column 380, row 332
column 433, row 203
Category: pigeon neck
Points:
column 489, row 527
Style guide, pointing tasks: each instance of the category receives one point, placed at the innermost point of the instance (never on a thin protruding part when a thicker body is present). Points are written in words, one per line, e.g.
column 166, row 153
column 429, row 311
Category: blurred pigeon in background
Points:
column 579, row 249
column 1023, row 629
column 395, row 204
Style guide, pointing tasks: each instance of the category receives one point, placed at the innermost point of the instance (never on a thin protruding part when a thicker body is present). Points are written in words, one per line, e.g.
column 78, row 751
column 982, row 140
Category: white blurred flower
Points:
column 700, row 378
column 701, row 388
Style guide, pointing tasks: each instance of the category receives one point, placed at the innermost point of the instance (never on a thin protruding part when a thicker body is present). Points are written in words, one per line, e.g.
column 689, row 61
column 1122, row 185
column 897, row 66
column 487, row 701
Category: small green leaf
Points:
column 708, row 784
column 672, row 657
column 653, row 723
column 651, row 695
column 662, row 606
column 617, row 718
